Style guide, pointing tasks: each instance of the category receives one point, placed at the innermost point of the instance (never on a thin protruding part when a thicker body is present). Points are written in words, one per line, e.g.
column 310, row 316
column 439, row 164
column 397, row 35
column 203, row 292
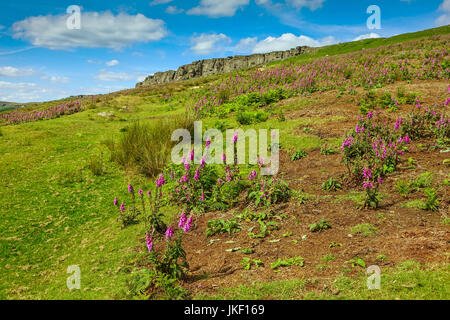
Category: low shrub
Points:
column 222, row 226
column 331, row 185
column 151, row 284
column 298, row 155
column 319, row 226
column 432, row 202
column 248, row 117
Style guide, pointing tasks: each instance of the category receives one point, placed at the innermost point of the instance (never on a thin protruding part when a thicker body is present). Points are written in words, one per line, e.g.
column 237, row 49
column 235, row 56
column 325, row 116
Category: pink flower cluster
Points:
column 442, row 123
column 368, row 178
column 184, row 223
column 17, row 116
column 252, row 175
column 160, row 181
column 346, row 143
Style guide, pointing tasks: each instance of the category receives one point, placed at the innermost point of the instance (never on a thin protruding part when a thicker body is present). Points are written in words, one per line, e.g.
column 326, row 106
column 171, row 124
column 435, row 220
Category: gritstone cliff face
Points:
column 209, row 67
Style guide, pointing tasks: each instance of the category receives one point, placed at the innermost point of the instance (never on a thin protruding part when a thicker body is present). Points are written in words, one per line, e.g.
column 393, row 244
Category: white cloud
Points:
column 173, row 10
column 246, row 45
column 218, row 8
column 112, row 63
column 311, row 4
column 97, row 30
column 141, row 78
column 444, row 19
column 110, row 76
column 288, row 41
column 12, row 72
column 28, row 92
column 156, row 2
column 445, row 6
column 208, row 43
column 56, row 79
column 371, row 35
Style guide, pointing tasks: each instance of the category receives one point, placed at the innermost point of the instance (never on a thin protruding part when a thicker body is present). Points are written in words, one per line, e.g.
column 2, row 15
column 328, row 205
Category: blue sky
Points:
column 121, row 42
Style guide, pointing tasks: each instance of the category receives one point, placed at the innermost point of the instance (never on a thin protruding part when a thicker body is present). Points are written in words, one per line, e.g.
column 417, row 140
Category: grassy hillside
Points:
column 60, row 176
column 368, row 44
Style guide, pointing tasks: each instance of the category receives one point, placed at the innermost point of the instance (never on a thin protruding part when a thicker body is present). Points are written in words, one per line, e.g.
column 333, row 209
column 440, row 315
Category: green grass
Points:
column 56, row 212
column 413, row 204
column 279, row 290
column 407, row 281
column 364, row 230
column 355, row 196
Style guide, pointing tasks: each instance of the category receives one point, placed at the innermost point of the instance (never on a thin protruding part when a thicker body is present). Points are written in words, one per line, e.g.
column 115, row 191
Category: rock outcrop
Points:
column 210, row 67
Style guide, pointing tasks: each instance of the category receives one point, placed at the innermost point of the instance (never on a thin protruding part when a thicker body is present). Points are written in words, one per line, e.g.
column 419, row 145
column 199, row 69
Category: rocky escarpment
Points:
column 210, row 67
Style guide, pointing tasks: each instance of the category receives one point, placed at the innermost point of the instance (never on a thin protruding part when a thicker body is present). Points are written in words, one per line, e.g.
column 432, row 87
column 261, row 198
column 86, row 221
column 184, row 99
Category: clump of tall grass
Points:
column 95, row 164
column 147, row 146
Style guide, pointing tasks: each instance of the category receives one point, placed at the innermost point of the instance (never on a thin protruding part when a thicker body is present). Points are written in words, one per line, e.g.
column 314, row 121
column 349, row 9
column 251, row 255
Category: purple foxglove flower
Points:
column 235, row 136
column 224, row 158
column 192, row 155
column 197, row 175
column 406, row 139
column 160, row 181
column 187, row 226
column 130, row 188
column 208, row 143
column 367, row 173
column 367, row 185
column 182, row 221
column 169, row 233
column 115, row 202
column 141, row 192
column 202, row 163
column 149, row 192
column 122, row 207
column 184, row 178
column 149, row 242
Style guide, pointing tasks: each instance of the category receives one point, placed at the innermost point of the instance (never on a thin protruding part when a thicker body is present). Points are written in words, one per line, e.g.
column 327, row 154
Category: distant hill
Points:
column 203, row 68
column 6, row 106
